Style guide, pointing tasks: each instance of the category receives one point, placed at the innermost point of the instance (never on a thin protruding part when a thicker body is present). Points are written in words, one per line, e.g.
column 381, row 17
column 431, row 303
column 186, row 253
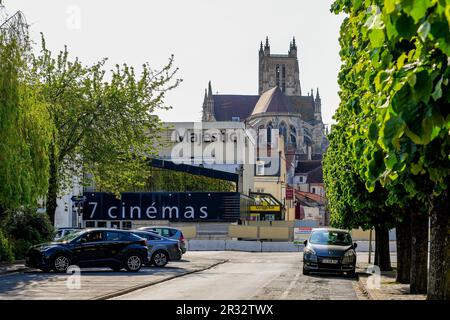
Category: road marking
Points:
column 289, row 288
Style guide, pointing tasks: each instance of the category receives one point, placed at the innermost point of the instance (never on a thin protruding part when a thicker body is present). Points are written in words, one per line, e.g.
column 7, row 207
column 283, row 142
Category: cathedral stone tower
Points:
column 279, row 70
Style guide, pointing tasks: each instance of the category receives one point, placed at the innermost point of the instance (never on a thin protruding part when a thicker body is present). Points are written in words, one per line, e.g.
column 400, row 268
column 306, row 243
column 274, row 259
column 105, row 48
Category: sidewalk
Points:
column 17, row 266
column 388, row 288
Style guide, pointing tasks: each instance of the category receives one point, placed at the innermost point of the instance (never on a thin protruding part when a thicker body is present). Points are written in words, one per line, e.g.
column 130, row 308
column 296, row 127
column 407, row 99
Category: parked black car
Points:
column 112, row 248
column 161, row 250
column 329, row 250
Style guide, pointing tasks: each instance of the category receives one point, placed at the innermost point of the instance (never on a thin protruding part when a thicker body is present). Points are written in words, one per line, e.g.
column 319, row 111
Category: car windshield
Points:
column 69, row 236
column 331, row 237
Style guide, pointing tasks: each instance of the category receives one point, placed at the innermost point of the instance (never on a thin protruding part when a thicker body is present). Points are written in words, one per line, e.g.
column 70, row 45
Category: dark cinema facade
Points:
column 172, row 206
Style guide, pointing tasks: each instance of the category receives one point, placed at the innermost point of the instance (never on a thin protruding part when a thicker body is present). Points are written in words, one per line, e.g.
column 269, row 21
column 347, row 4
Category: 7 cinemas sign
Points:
column 173, row 206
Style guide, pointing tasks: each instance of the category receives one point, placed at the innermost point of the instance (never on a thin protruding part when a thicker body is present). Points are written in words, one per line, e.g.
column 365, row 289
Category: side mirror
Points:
column 355, row 245
column 305, row 242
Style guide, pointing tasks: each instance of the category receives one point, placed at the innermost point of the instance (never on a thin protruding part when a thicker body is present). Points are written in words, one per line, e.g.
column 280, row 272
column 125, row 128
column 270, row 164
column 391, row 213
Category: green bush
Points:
column 25, row 228
column 6, row 249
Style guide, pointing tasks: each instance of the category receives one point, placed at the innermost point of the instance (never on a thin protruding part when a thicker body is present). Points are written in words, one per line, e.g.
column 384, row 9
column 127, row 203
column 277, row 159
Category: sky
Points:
column 211, row 40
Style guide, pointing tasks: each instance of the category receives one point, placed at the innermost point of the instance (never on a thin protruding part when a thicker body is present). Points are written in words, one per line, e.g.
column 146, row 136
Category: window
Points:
column 236, row 119
column 90, row 224
column 269, row 132
column 260, row 168
column 283, row 71
column 277, row 71
column 163, row 232
column 115, row 224
column 313, row 190
column 101, row 224
column 283, row 131
column 126, row 225
column 112, row 236
column 94, row 236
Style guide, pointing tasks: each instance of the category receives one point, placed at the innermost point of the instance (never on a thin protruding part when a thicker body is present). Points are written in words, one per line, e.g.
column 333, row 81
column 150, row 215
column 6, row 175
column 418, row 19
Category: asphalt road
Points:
column 200, row 275
column 251, row 276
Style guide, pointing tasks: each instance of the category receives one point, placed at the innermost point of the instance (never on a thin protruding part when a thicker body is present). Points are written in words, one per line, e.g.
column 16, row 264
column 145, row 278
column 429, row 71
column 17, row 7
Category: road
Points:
column 200, row 275
column 251, row 276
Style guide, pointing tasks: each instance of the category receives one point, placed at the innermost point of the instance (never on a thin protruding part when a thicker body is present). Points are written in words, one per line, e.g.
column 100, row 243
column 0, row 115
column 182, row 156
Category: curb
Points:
column 7, row 272
column 363, row 288
column 20, row 269
column 149, row 284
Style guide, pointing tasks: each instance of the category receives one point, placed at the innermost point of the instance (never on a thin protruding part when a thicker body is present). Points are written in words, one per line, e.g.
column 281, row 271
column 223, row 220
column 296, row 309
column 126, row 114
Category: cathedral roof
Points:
column 228, row 106
column 243, row 106
column 273, row 100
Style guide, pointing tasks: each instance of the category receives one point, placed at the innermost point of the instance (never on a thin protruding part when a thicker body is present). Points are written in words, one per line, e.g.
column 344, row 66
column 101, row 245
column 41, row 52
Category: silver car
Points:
column 168, row 232
column 161, row 250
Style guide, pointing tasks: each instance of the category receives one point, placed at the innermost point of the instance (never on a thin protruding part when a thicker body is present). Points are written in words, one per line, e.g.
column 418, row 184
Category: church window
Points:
column 277, row 71
column 293, row 135
column 283, row 131
column 283, row 71
column 269, row 133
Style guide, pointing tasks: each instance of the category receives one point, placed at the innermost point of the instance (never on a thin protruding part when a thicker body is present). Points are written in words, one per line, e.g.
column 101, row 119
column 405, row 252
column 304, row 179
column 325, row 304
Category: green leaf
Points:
column 405, row 26
column 392, row 130
column 423, row 86
column 437, row 94
column 424, row 30
column 376, row 37
column 390, row 161
column 417, row 8
column 373, row 132
column 389, row 6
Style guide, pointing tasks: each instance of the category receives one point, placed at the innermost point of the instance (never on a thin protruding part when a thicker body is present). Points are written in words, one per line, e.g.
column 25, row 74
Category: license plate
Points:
column 332, row 261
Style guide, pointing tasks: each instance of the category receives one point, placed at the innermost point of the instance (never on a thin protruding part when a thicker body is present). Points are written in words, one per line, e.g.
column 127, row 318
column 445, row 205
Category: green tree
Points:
column 104, row 129
column 401, row 49
column 24, row 126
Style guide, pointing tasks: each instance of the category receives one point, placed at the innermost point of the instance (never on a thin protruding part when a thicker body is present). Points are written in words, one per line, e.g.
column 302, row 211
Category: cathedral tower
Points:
column 279, row 70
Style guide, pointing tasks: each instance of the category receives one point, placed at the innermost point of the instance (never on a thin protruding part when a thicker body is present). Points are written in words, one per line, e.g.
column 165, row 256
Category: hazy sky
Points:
column 215, row 40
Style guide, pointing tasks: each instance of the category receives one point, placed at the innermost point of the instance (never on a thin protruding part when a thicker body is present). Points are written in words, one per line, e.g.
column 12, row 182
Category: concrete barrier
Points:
column 264, row 246
column 281, row 247
column 248, row 246
column 206, row 245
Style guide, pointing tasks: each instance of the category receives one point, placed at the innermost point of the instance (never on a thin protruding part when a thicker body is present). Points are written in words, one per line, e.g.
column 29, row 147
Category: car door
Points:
column 89, row 249
column 116, row 242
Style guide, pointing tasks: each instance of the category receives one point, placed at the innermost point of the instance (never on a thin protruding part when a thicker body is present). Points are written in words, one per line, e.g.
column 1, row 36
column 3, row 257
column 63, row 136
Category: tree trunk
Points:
column 382, row 254
column 403, row 233
column 439, row 275
column 52, row 192
column 419, row 253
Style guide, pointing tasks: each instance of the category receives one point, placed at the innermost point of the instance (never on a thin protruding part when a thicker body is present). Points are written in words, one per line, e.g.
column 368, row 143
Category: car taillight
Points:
column 145, row 242
column 182, row 238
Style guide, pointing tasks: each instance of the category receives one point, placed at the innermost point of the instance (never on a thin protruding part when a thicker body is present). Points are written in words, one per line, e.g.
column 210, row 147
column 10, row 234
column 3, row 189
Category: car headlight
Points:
column 310, row 255
column 349, row 257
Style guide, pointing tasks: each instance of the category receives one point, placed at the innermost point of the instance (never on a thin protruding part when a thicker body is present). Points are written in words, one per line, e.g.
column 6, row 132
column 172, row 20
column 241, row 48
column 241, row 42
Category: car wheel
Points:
column 305, row 272
column 133, row 263
column 160, row 258
column 61, row 263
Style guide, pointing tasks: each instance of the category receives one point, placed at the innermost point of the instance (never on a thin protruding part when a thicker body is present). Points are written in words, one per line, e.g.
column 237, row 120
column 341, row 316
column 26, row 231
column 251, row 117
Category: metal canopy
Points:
column 195, row 170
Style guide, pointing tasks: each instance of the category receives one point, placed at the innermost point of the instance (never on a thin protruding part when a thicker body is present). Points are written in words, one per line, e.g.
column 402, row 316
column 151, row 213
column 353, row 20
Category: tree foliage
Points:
column 394, row 115
column 104, row 128
column 24, row 126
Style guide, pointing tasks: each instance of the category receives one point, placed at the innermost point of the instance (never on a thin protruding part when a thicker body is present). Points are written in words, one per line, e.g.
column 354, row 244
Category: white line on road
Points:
column 289, row 288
